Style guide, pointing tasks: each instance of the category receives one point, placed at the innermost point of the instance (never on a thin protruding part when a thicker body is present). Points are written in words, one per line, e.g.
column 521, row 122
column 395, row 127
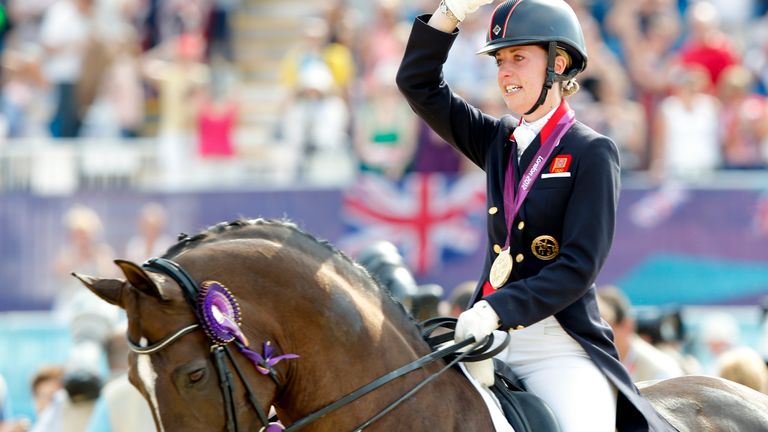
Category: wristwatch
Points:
column 443, row 8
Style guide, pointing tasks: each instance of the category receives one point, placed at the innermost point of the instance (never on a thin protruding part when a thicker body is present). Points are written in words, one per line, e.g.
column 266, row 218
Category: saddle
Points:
column 525, row 411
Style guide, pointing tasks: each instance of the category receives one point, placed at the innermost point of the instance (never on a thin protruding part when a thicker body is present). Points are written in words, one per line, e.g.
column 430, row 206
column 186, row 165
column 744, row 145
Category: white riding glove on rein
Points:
column 460, row 8
column 479, row 321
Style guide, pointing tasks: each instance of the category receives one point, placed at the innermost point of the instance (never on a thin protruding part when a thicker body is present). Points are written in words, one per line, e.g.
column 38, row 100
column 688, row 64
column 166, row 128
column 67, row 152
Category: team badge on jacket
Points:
column 560, row 164
column 545, row 247
column 559, row 167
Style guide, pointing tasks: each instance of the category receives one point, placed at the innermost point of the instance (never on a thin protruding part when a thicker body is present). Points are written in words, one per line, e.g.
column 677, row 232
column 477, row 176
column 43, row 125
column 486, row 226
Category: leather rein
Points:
column 479, row 350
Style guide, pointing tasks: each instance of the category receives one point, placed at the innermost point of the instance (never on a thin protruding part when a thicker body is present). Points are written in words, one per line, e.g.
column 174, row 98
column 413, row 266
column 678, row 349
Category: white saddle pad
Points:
column 500, row 422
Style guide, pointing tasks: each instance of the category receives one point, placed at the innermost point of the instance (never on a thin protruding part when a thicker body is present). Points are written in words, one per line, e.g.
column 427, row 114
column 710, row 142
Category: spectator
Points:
column 64, row 415
column 643, row 361
column 745, row 366
column 23, row 86
column 151, row 239
column 706, row 45
column 744, row 120
column 178, row 73
column 315, row 127
column 96, row 62
column 123, row 86
column 6, row 424
column 468, row 73
column 216, row 122
column 685, row 136
column 85, row 252
column 65, row 32
column 664, row 330
column 316, row 52
column 218, row 115
column 719, row 333
column 382, row 41
column 343, row 24
column 70, row 407
column 385, row 139
column 45, row 383
column 120, row 407
column 614, row 114
column 646, row 32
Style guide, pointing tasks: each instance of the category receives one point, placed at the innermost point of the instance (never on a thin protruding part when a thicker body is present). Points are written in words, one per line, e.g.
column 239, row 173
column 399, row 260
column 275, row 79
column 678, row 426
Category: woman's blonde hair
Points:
column 571, row 86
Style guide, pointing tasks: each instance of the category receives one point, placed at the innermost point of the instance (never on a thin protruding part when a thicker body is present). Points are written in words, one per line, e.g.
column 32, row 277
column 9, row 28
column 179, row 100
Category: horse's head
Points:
column 173, row 362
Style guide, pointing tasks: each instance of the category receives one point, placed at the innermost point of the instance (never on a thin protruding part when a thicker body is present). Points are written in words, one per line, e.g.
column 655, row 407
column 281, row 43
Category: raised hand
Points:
column 460, row 8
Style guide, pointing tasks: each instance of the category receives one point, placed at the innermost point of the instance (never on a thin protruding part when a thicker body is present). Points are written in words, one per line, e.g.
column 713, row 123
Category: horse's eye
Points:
column 196, row 376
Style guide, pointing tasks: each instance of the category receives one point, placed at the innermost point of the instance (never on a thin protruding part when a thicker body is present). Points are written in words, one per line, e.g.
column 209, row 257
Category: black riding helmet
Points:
column 550, row 23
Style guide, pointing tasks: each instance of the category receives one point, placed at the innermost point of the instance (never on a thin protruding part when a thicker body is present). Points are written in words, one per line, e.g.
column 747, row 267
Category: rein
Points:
column 478, row 350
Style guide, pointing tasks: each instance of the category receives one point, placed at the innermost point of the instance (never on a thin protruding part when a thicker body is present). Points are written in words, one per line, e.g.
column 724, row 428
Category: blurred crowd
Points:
column 679, row 85
column 89, row 390
column 120, row 69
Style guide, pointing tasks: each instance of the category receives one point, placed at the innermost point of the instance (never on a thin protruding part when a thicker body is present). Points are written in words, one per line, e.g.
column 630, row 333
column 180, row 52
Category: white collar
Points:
column 526, row 132
column 537, row 125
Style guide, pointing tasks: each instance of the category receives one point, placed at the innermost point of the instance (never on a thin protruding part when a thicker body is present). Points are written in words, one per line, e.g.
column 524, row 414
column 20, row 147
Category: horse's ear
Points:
column 139, row 278
column 109, row 290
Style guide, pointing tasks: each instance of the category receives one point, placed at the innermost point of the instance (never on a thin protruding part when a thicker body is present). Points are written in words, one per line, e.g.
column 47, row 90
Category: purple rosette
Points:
column 220, row 313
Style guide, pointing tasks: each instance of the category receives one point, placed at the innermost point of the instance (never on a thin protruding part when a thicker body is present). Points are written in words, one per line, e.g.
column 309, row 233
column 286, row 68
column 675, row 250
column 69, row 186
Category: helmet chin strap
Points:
column 551, row 77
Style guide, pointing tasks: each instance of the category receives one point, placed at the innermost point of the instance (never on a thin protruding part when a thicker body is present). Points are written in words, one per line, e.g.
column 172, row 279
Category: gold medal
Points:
column 500, row 269
column 545, row 247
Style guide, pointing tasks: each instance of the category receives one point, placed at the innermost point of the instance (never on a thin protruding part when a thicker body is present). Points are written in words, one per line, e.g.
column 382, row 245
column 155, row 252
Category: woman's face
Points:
column 521, row 73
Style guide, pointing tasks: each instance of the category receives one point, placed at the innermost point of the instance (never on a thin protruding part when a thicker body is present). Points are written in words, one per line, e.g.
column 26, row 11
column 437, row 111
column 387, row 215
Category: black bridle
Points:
column 479, row 350
column 218, row 351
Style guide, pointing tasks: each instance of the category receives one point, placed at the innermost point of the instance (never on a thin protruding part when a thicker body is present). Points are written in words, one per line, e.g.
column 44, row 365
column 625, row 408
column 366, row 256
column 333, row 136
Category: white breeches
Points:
column 553, row 366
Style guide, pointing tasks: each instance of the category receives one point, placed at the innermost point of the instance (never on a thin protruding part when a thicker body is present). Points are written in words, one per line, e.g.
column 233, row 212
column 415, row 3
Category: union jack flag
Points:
column 429, row 217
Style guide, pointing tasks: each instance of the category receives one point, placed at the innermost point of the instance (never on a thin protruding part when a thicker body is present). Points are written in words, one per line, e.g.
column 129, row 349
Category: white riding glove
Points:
column 461, row 8
column 479, row 321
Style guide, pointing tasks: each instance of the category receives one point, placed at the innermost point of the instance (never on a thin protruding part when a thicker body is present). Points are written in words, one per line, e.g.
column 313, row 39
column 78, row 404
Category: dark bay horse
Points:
column 303, row 297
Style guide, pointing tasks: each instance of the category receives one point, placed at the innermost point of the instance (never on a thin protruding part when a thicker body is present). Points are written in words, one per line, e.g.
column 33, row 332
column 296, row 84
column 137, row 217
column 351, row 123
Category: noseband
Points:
column 265, row 363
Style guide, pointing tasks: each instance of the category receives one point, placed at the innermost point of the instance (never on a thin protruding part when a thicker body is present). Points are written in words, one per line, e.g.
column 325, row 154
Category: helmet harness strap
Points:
column 552, row 76
column 550, row 79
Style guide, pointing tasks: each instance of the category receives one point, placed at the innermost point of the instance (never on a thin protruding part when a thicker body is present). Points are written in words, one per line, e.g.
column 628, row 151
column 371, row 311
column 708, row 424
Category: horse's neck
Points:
column 355, row 337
